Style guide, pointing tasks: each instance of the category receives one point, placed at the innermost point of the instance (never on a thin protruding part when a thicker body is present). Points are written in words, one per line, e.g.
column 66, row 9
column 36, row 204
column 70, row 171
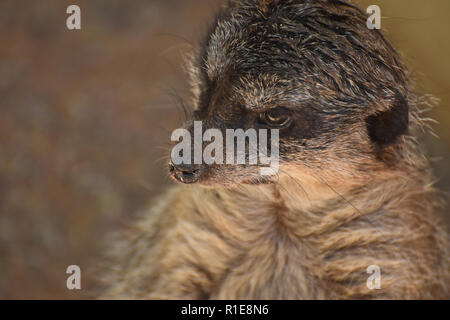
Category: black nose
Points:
column 185, row 173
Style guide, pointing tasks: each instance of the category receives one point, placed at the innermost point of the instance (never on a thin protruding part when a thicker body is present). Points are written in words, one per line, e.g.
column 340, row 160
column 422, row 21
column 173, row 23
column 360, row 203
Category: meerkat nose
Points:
column 185, row 173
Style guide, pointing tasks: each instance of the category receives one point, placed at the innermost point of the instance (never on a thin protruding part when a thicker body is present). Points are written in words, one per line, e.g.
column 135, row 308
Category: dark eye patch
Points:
column 305, row 124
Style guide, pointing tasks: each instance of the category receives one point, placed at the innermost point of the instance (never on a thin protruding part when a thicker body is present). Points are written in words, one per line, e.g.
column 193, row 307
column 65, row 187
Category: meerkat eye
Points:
column 277, row 117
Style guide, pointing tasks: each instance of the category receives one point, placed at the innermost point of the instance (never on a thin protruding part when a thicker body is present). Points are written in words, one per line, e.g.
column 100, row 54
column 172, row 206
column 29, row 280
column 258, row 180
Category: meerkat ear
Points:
column 386, row 127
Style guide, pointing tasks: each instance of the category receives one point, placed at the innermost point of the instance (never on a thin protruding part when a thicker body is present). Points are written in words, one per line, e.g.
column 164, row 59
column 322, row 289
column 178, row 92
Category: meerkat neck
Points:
column 306, row 206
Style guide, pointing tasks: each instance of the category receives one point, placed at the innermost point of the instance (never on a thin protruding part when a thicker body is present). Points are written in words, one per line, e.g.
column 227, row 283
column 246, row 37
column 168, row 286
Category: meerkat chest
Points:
column 269, row 271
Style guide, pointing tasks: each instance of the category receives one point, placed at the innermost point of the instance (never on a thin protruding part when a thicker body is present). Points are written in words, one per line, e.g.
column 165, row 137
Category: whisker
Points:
column 347, row 201
column 297, row 183
column 338, row 194
column 180, row 104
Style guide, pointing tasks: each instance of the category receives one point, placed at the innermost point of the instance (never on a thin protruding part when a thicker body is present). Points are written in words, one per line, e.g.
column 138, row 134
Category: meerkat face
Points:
column 332, row 89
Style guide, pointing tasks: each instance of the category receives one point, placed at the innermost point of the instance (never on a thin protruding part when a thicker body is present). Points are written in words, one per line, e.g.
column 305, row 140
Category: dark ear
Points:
column 386, row 127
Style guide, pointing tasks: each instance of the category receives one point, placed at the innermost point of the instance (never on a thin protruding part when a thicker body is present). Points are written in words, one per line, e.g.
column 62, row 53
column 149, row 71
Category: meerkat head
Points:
column 312, row 70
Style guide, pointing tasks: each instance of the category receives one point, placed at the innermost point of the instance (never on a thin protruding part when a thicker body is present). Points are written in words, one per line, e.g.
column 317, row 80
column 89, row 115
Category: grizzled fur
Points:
column 353, row 189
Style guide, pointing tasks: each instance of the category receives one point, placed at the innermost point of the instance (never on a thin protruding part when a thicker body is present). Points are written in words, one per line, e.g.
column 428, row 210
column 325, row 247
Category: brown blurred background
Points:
column 86, row 116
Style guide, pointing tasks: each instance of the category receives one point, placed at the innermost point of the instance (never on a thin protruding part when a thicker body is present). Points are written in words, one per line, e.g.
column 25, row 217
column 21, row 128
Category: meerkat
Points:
column 353, row 190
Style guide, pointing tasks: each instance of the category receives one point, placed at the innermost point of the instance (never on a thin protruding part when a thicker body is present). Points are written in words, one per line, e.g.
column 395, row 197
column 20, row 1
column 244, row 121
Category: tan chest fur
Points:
column 281, row 242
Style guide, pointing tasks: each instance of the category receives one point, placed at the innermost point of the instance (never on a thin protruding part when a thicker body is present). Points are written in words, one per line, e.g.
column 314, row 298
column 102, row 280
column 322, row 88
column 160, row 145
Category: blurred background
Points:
column 85, row 118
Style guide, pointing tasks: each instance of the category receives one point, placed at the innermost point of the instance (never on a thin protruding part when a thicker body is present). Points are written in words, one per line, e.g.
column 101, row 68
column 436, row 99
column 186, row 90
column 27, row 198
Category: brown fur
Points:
column 353, row 190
